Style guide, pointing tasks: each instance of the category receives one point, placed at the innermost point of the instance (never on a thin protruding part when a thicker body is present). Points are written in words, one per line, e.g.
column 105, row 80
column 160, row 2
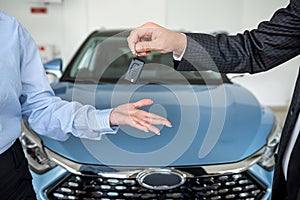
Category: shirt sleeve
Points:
column 271, row 44
column 49, row 115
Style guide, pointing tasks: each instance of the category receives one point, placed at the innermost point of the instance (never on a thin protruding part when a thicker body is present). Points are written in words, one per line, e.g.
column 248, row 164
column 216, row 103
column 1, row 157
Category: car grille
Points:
column 233, row 186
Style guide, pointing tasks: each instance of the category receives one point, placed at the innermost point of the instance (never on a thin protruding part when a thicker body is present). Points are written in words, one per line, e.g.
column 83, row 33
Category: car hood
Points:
column 210, row 125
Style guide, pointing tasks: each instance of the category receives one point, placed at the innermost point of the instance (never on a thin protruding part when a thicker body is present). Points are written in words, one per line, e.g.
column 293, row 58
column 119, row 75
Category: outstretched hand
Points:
column 151, row 36
column 130, row 114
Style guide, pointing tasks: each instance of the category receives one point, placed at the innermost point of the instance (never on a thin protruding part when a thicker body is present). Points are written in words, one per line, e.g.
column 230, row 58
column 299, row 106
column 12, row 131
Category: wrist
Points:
column 111, row 118
column 180, row 41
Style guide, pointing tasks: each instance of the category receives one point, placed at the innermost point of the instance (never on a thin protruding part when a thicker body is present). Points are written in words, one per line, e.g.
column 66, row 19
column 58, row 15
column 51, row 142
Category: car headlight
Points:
column 267, row 160
column 33, row 149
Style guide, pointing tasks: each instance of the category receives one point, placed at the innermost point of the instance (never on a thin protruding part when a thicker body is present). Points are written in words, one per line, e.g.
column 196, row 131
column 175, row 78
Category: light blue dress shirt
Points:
column 25, row 92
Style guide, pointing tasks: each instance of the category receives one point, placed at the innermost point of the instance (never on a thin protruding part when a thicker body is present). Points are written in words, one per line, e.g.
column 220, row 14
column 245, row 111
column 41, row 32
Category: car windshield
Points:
column 104, row 59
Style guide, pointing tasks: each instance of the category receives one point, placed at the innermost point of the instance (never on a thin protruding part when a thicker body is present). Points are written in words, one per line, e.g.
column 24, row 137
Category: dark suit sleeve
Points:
column 272, row 43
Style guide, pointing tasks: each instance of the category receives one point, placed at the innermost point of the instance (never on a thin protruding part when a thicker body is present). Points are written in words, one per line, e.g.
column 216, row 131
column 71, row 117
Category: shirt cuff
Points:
column 179, row 57
column 104, row 122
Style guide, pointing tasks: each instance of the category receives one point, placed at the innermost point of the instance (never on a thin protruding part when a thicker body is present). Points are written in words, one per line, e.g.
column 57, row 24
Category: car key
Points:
column 134, row 70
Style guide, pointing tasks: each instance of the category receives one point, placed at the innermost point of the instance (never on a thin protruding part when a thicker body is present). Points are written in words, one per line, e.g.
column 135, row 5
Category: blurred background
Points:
column 59, row 27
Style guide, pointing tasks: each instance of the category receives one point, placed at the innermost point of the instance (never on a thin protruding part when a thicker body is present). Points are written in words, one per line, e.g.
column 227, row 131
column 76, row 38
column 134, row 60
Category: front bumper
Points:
column 240, row 180
column 61, row 184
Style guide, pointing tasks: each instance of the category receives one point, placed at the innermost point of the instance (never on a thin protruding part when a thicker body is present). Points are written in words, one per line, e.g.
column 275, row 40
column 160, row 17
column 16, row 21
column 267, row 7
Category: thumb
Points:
column 143, row 102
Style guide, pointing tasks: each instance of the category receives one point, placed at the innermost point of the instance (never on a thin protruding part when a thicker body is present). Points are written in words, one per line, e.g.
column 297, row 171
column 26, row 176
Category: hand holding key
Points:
column 151, row 36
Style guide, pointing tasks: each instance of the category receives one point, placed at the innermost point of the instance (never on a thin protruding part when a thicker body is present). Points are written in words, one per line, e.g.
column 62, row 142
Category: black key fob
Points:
column 134, row 70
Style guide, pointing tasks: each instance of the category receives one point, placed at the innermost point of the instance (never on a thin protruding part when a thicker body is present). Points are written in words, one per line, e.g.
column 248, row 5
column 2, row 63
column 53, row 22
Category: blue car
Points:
column 221, row 145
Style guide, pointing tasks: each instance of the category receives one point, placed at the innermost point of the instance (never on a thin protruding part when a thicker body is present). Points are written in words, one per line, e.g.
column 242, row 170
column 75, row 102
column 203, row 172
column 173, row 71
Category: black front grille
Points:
column 234, row 186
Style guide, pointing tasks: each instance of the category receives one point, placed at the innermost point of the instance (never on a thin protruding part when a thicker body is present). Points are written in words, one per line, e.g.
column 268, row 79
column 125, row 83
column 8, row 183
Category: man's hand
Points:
column 129, row 114
column 151, row 36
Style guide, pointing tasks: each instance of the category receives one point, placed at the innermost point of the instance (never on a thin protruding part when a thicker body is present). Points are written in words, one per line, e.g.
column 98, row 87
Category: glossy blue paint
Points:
column 43, row 181
column 265, row 177
column 55, row 64
column 224, row 106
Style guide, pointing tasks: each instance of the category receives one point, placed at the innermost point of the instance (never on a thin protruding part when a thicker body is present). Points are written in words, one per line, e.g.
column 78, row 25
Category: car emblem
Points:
column 161, row 179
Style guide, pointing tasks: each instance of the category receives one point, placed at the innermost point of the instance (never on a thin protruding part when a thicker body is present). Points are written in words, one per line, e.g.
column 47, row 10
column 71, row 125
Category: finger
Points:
column 153, row 45
column 144, row 31
column 164, row 122
column 138, row 35
column 149, row 127
column 141, row 103
column 158, row 120
column 152, row 118
column 135, row 124
column 146, row 46
column 154, row 129
column 132, row 40
column 147, row 53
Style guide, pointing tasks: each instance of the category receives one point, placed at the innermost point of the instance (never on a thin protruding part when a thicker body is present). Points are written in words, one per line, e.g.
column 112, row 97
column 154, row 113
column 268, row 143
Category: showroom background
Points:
column 66, row 23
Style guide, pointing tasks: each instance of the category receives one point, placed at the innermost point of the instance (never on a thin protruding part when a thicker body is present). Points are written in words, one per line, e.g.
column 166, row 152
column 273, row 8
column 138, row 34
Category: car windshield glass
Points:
column 106, row 59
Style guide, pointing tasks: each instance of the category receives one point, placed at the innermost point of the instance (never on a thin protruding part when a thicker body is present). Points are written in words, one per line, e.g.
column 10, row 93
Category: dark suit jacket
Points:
column 272, row 43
